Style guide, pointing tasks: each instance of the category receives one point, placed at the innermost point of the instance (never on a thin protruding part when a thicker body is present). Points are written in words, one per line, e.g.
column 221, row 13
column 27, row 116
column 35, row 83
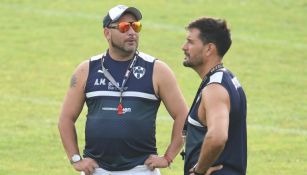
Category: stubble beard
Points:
column 188, row 63
column 124, row 49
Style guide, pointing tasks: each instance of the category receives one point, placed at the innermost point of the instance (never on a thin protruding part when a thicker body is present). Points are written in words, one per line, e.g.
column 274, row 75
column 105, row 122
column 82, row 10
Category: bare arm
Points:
column 71, row 108
column 216, row 104
column 167, row 89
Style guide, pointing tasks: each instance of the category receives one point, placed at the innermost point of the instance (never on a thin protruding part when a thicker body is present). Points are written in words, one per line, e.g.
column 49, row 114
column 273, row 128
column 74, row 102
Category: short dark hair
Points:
column 213, row 31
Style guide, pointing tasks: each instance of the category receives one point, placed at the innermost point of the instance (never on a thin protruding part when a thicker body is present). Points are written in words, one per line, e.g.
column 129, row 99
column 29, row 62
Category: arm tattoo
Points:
column 73, row 81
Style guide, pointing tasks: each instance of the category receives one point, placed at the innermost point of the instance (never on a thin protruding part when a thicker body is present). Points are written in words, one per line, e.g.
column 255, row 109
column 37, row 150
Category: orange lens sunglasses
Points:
column 125, row 26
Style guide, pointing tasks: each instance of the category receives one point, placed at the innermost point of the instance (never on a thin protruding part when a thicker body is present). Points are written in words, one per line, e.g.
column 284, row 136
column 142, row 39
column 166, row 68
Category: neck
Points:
column 205, row 69
column 119, row 55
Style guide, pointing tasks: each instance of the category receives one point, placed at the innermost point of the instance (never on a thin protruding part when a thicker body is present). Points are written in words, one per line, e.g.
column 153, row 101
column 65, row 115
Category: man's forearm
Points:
column 69, row 137
column 176, row 139
column 210, row 151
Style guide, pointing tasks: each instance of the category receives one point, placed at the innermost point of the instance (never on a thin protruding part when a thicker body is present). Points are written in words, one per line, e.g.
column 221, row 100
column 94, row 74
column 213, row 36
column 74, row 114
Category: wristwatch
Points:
column 75, row 158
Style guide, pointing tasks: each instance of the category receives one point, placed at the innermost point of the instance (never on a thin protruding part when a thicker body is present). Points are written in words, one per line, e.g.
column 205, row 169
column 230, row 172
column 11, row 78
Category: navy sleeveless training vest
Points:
column 120, row 142
column 234, row 156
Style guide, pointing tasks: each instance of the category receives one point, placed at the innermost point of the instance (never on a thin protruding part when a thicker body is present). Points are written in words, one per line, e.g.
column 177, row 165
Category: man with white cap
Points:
column 122, row 89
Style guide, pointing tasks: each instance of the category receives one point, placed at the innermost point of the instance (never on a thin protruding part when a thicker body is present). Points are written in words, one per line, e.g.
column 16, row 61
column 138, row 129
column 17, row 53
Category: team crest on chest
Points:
column 138, row 72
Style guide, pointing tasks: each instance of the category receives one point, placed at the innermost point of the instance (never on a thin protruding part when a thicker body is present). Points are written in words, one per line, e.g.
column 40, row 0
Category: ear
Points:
column 107, row 33
column 210, row 49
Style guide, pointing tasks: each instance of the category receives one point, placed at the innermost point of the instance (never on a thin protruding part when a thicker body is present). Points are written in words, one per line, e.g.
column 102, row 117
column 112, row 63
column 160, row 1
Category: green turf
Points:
column 43, row 41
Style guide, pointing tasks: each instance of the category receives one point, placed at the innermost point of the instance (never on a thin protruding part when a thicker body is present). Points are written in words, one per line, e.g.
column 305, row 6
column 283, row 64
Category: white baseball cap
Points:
column 116, row 12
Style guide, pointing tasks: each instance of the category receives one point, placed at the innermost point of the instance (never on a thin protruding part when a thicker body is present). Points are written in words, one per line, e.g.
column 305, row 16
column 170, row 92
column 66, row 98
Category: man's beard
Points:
column 192, row 63
column 122, row 48
column 186, row 63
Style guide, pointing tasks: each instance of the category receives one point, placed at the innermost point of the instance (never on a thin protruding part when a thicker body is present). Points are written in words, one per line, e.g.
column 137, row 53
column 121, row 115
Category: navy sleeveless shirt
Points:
column 234, row 156
column 120, row 142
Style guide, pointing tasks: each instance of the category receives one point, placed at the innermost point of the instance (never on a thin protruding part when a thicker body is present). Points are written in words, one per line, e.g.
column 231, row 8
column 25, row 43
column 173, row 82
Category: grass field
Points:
column 43, row 41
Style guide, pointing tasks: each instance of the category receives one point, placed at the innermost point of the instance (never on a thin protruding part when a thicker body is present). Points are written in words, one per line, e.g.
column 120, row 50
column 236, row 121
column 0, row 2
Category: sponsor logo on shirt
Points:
column 115, row 109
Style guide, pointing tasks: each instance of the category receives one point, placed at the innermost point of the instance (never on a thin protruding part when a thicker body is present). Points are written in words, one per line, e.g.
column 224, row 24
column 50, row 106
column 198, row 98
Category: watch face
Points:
column 76, row 158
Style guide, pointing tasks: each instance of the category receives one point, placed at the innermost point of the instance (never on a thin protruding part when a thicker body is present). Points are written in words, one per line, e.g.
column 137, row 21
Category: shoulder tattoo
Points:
column 73, row 81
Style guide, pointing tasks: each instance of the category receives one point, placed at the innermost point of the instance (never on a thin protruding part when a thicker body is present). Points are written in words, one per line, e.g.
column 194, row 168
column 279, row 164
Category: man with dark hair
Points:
column 122, row 89
column 216, row 140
